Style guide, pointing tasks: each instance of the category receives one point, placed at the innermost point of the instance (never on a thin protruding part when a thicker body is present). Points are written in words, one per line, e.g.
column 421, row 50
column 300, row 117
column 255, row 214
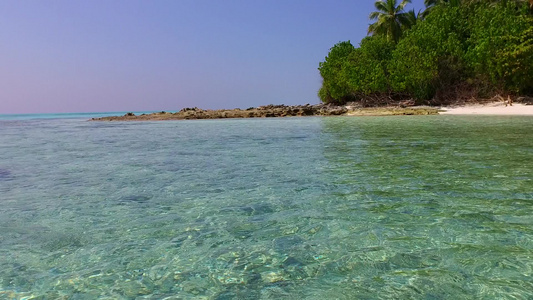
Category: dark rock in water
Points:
column 253, row 278
column 266, row 111
column 243, row 230
column 294, row 269
column 228, row 295
column 269, row 111
column 286, row 243
column 134, row 199
column 292, row 262
column 61, row 241
column 407, row 261
column 250, row 210
column 258, row 209
column 241, row 293
column 178, row 241
column 5, row 174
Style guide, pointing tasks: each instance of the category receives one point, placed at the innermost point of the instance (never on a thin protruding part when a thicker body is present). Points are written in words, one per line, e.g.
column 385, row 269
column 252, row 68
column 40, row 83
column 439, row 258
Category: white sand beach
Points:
column 497, row 108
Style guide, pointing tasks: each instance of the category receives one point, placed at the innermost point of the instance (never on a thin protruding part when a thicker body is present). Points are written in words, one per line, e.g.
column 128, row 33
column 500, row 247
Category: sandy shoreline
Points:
column 498, row 108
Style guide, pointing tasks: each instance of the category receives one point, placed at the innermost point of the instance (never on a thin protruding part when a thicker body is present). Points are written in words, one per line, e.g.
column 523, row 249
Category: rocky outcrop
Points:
column 267, row 111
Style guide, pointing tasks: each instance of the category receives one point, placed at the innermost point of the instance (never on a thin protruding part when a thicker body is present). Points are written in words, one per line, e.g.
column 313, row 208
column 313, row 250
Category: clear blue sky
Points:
column 129, row 55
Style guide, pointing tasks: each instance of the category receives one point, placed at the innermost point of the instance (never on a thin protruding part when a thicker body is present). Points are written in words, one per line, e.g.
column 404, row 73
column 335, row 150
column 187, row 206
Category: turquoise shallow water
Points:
column 427, row 207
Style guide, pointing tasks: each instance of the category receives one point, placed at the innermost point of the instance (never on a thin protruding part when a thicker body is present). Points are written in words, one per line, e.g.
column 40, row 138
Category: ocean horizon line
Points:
column 72, row 115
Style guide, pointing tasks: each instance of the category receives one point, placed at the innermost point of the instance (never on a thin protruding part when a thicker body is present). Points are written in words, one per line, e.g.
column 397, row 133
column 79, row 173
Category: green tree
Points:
column 462, row 49
column 366, row 67
column 334, row 85
column 500, row 47
column 354, row 74
column 429, row 58
column 390, row 18
column 430, row 4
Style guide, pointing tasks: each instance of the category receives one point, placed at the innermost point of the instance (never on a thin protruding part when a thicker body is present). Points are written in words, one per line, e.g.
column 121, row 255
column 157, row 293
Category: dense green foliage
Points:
column 335, row 88
column 460, row 50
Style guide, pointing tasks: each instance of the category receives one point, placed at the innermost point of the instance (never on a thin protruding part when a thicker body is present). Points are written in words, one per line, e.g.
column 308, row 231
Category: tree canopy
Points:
column 455, row 50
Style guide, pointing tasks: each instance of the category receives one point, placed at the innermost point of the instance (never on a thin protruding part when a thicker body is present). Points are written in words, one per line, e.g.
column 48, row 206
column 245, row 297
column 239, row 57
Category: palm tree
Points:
column 411, row 18
column 390, row 18
column 432, row 3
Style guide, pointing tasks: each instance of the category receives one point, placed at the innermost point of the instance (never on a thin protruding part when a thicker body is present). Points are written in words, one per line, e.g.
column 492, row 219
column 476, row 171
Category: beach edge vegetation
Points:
column 453, row 52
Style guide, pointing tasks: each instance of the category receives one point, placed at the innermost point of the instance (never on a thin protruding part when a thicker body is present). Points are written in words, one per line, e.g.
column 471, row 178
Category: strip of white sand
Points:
column 489, row 109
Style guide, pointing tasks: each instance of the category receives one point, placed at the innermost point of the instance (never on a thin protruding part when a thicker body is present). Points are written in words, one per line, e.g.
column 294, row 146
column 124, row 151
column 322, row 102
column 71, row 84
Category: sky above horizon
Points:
column 133, row 55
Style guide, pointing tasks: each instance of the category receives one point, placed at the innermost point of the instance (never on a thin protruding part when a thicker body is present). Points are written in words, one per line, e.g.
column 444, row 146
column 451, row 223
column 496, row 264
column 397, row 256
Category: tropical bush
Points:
column 500, row 46
column 334, row 85
column 458, row 51
column 430, row 56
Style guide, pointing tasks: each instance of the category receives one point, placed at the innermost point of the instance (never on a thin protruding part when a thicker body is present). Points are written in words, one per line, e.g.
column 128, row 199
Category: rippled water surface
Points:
column 436, row 207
